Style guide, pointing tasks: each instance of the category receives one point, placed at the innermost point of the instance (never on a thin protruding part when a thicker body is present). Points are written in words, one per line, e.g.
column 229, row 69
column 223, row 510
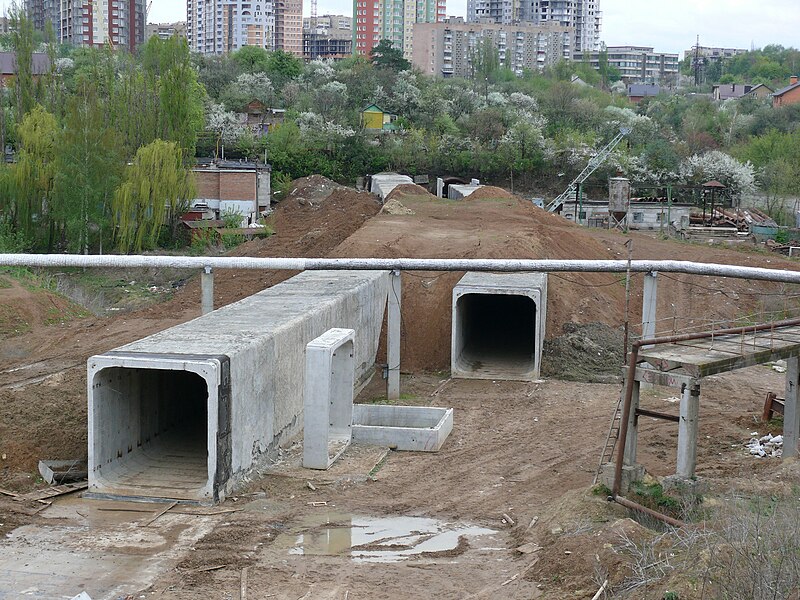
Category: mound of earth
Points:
column 482, row 228
column 408, row 189
column 395, row 207
column 490, row 192
column 590, row 352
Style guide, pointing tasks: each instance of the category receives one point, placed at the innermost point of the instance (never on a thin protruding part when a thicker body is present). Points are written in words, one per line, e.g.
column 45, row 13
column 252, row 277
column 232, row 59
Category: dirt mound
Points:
column 312, row 188
column 590, row 352
column 505, row 228
column 394, row 207
column 409, row 189
column 490, row 192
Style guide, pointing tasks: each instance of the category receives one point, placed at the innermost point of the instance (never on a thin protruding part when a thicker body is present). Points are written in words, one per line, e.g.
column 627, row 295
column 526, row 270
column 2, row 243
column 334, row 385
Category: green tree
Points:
column 385, row 56
column 283, row 67
column 22, row 43
column 180, row 95
column 88, row 170
column 155, row 191
column 251, row 59
column 33, row 177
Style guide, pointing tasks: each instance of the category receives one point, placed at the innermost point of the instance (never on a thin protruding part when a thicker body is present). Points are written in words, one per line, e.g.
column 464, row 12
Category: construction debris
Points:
column 765, row 446
column 63, row 471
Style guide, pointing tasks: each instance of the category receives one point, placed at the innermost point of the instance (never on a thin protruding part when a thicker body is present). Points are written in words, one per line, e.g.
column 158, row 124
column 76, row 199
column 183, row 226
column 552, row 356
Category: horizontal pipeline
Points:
column 402, row 264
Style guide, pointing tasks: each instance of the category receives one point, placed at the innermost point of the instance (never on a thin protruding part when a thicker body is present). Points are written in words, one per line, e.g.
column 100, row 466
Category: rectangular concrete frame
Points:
column 493, row 336
column 414, row 428
column 328, row 402
column 239, row 368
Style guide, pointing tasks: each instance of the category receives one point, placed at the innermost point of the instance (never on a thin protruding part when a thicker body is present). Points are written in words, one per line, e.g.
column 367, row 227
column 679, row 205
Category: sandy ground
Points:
column 525, row 450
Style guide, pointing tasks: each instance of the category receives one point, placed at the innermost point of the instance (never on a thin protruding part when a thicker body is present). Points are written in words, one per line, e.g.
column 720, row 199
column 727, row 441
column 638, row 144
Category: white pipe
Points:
column 403, row 264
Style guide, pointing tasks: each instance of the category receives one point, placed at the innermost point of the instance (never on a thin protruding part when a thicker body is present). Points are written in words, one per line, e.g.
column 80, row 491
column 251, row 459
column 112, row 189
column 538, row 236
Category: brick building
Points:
column 788, row 95
column 240, row 187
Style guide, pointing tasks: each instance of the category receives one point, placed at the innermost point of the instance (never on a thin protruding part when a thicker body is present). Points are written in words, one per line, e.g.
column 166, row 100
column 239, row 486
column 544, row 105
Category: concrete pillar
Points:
column 328, row 398
column 791, row 414
column 688, row 427
column 649, row 305
column 207, row 290
column 393, row 337
column 633, row 428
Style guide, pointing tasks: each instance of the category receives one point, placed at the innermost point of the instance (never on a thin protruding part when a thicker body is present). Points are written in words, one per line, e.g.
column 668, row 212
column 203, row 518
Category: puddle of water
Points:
column 373, row 539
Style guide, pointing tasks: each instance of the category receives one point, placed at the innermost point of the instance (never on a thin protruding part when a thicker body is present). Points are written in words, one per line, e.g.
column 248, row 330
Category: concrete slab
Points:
column 416, row 428
column 328, row 401
column 498, row 326
column 382, row 184
column 457, row 192
column 185, row 413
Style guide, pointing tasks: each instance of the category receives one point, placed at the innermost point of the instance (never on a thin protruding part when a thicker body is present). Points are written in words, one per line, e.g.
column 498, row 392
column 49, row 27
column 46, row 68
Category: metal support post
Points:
column 393, row 337
column 791, row 415
column 207, row 290
column 688, row 427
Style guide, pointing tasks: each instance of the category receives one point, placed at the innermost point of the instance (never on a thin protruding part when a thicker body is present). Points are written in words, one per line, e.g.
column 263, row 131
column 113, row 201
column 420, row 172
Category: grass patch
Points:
column 602, row 490
column 652, row 496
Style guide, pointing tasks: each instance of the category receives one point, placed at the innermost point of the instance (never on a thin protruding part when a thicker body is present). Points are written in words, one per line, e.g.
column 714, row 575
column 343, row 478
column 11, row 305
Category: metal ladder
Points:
column 611, row 439
column 590, row 168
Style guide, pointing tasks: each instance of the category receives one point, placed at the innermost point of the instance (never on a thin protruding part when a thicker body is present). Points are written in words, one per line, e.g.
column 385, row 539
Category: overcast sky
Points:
column 667, row 25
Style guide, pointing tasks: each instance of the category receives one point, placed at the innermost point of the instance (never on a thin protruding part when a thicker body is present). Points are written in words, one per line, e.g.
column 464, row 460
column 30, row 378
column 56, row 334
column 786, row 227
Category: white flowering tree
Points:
column 737, row 176
column 246, row 88
column 226, row 126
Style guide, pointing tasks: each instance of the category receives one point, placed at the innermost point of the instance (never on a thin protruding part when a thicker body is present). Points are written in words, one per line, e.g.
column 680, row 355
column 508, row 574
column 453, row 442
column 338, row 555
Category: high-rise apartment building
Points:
column 222, row 26
column 450, row 49
column 392, row 20
column 583, row 16
column 289, row 26
column 639, row 64
column 120, row 23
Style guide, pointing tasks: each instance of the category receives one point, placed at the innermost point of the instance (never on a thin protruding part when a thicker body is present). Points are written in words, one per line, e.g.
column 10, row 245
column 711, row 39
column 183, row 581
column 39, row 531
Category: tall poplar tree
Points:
column 88, row 170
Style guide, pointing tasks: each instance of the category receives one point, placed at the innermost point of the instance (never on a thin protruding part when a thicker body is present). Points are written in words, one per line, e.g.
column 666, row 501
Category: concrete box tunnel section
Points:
column 498, row 326
column 184, row 413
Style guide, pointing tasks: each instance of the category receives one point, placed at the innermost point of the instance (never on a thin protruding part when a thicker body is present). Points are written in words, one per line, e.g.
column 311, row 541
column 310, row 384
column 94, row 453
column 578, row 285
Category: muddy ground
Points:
column 523, row 450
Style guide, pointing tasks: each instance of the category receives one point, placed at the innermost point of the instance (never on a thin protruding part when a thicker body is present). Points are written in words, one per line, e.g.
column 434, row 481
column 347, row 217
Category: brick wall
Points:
column 215, row 184
column 207, row 184
column 237, row 185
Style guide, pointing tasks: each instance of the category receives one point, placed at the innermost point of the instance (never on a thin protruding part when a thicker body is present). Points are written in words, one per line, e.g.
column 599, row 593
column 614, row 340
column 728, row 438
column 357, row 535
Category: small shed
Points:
column 375, row 119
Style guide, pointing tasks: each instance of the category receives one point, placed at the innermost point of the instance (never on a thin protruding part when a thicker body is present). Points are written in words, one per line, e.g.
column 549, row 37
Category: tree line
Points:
column 105, row 140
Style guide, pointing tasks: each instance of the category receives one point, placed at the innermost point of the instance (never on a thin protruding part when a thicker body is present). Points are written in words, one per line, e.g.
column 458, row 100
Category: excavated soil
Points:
column 590, row 352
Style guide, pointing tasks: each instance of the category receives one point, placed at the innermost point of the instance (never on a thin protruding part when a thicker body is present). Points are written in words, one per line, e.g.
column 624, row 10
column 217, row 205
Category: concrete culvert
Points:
column 498, row 326
column 150, row 425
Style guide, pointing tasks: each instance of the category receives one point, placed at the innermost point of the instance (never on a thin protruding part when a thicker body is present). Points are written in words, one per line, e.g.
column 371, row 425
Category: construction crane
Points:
column 147, row 11
column 590, row 168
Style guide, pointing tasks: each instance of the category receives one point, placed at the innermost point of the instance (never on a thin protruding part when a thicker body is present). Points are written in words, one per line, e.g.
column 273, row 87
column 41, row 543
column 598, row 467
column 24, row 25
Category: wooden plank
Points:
column 158, row 514
column 52, row 492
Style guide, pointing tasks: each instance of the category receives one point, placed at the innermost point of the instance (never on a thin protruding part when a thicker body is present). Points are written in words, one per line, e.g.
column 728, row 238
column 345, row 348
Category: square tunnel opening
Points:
column 151, row 432
column 495, row 336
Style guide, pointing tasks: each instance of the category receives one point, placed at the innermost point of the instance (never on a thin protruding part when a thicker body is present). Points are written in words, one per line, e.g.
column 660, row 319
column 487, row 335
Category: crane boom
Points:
column 597, row 160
